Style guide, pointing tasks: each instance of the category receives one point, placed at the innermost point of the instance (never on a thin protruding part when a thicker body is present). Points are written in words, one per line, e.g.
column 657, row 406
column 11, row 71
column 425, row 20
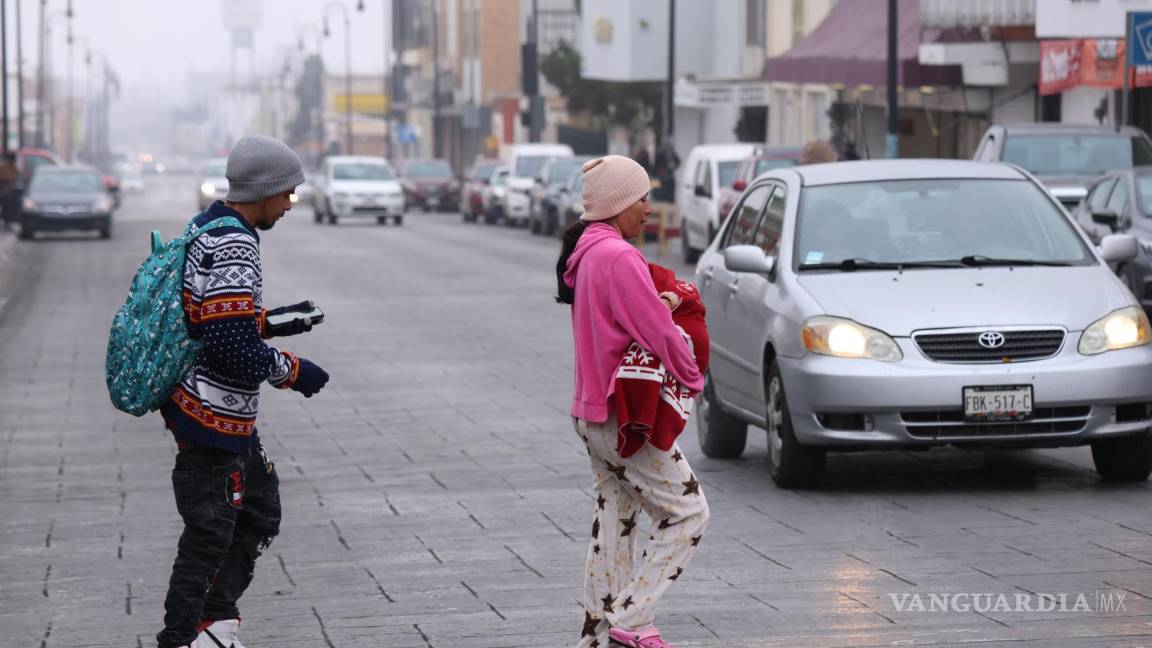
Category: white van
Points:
column 524, row 163
column 708, row 168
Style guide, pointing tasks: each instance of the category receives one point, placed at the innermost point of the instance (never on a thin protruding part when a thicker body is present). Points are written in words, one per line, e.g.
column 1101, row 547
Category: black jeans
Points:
column 230, row 504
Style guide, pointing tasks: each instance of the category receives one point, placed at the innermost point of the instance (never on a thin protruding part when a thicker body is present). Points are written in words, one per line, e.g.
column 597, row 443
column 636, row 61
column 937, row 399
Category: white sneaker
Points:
column 221, row 634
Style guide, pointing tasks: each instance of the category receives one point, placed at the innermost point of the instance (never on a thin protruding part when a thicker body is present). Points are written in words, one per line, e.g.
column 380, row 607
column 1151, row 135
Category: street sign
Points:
column 1140, row 38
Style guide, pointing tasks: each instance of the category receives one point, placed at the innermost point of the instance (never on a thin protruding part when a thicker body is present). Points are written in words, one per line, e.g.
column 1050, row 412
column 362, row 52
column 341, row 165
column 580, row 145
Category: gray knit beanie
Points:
column 259, row 167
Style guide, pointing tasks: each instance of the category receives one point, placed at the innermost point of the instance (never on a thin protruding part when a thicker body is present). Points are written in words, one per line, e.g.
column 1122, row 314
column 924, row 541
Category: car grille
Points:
column 951, row 424
column 1018, row 345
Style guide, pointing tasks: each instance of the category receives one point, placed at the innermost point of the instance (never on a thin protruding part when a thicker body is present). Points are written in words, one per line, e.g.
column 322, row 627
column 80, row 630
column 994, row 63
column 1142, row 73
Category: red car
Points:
column 763, row 159
column 472, row 192
column 429, row 184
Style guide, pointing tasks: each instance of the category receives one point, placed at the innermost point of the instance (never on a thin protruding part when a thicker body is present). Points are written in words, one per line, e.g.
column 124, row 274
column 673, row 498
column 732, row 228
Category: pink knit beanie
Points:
column 611, row 185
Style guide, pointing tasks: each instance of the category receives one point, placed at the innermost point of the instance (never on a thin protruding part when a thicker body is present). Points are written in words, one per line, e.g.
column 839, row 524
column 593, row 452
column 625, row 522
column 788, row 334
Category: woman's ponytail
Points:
column 565, row 294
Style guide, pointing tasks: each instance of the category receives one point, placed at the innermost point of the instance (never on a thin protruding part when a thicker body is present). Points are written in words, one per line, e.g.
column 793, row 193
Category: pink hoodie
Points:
column 616, row 303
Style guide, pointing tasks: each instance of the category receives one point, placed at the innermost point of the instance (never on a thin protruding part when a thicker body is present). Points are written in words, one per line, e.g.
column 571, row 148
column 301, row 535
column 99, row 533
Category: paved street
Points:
column 435, row 494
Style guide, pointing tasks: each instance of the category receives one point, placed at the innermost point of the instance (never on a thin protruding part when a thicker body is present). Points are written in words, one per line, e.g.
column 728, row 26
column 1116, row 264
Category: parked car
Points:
column 1066, row 158
column 494, row 194
column 570, row 202
column 212, row 184
column 472, row 190
column 429, row 184
column 525, row 161
column 357, row 186
column 708, row 168
column 1121, row 203
column 544, row 217
column 62, row 198
column 762, row 160
column 905, row 304
column 131, row 177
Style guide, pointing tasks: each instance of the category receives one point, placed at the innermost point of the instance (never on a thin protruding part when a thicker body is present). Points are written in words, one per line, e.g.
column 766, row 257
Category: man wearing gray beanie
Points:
column 227, row 491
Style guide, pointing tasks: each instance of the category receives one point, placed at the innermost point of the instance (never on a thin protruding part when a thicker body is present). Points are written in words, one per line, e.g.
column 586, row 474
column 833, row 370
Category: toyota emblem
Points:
column 991, row 339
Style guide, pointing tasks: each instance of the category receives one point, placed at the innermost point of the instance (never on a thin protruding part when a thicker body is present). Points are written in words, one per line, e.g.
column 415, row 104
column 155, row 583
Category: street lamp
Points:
column 336, row 4
column 46, row 96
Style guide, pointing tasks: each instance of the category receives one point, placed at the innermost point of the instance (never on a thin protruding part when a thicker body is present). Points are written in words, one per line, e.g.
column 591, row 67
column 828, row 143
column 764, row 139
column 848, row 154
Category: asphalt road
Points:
column 436, row 495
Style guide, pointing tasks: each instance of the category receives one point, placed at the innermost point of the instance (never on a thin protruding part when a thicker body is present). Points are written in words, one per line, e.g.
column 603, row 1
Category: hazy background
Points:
column 162, row 50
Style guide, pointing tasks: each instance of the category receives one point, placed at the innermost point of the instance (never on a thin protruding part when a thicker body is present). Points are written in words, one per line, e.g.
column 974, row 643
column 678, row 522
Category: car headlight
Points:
column 843, row 338
column 1120, row 329
column 102, row 205
column 30, row 204
column 294, row 198
column 208, row 189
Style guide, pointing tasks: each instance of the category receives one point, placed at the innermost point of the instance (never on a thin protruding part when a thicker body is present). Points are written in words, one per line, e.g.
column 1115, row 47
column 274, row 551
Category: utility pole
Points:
column 4, row 65
column 40, row 77
column 670, row 83
column 19, row 78
column 535, row 102
column 398, row 116
column 437, row 135
column 892, row 141
column 71, row 104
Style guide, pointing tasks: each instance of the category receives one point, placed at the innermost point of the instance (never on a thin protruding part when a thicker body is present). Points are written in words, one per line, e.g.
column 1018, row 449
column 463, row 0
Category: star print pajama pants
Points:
column 617, row 592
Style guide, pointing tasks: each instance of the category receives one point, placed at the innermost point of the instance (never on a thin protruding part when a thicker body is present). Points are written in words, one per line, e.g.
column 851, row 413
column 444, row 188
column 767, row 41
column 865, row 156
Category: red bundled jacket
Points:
column 651, row 406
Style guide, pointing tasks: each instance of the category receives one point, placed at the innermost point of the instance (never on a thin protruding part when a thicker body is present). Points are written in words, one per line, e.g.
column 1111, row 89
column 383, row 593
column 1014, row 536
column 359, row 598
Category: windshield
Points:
column 910, row 221
column 1052, row 155
column 484, row 172
column 429, row 170
column 763, row 166
column 560, row 169
column 728, row 171
column 529, row 166
column 500, row 179
column 67, row 182
column 362, row 171
column 215, row 171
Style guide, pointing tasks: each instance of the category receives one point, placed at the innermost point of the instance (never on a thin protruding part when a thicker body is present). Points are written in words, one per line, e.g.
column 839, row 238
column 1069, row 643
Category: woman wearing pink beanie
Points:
column 614, row 302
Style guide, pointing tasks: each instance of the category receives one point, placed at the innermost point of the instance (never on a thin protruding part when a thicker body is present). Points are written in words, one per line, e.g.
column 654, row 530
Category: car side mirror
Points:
column 748, row 258
column 1118, row 248
column 1107, row 217
column 740, row 185
column 701, row 191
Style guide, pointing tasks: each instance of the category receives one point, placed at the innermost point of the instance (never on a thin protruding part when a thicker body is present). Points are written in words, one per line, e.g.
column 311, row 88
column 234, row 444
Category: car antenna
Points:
column 863, row 130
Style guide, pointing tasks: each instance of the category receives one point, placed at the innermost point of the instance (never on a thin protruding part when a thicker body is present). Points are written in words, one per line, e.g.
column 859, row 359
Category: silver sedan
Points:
column 915, row 303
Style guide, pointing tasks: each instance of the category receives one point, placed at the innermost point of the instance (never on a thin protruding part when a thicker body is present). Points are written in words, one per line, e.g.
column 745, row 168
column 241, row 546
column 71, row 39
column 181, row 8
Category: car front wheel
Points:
column 690, row 255
column 1123, row 459
column 790, row 464
column 722, row 436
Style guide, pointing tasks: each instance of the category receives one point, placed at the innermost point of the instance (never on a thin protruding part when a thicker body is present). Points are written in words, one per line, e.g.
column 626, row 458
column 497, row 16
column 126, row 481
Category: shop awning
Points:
column 851, row 47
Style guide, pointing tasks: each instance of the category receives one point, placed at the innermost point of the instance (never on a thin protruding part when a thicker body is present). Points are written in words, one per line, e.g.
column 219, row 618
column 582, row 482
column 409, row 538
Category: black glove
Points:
column 311, row 378
column 291, row 327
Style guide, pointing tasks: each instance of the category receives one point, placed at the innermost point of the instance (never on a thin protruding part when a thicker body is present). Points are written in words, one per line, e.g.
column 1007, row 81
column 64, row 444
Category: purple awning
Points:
column 851, row 47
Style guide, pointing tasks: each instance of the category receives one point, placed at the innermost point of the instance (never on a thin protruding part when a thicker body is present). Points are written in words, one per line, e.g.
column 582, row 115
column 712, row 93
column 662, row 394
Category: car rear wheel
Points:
column 332, row 220
column 790, row 464
column 690, row 255
column 381, row 220
column 722, row 436
column 1123, row 459
column 398, row 220
column 27, row 232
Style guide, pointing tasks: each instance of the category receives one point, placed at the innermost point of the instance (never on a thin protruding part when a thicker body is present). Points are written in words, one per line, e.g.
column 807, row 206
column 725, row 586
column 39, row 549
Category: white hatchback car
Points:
column 358, row 187
column 913, row 303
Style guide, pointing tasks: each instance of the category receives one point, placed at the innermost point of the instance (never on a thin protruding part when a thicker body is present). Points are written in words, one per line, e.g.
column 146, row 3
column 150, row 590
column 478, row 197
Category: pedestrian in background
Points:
column 9, row 190
column 818, row 151
column 615, row 303
column 227, row 491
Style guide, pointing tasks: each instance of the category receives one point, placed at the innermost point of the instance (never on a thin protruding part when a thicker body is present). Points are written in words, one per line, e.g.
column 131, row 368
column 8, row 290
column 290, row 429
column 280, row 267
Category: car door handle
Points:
column 733, row 287
column 708, row 273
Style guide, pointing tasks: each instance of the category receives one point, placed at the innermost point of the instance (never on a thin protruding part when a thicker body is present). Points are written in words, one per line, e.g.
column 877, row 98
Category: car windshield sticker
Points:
column 814, row 257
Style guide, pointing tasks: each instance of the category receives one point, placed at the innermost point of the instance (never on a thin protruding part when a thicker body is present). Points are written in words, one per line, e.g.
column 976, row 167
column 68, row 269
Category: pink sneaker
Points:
column 647, row 638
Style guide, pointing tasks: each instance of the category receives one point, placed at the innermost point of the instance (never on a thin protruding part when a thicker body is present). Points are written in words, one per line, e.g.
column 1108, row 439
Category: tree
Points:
column 309, row 102
column 634, row 104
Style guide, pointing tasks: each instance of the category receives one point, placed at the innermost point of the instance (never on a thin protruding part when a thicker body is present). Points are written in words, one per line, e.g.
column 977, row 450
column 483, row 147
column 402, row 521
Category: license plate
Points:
column 997, row 404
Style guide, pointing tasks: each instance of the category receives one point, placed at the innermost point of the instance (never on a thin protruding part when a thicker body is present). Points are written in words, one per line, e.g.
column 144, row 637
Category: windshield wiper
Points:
column 978, row 260
column 853, row 264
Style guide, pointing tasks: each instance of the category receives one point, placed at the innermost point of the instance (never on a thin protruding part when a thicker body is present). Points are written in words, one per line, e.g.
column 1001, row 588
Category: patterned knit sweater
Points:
column 216, row 402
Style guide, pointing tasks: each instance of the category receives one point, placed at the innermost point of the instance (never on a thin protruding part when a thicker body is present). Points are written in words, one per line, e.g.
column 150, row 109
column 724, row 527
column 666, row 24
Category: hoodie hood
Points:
column 595, row 234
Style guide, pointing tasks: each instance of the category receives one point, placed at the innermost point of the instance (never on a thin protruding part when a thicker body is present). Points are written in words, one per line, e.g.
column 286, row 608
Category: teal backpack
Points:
column 149, row 348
